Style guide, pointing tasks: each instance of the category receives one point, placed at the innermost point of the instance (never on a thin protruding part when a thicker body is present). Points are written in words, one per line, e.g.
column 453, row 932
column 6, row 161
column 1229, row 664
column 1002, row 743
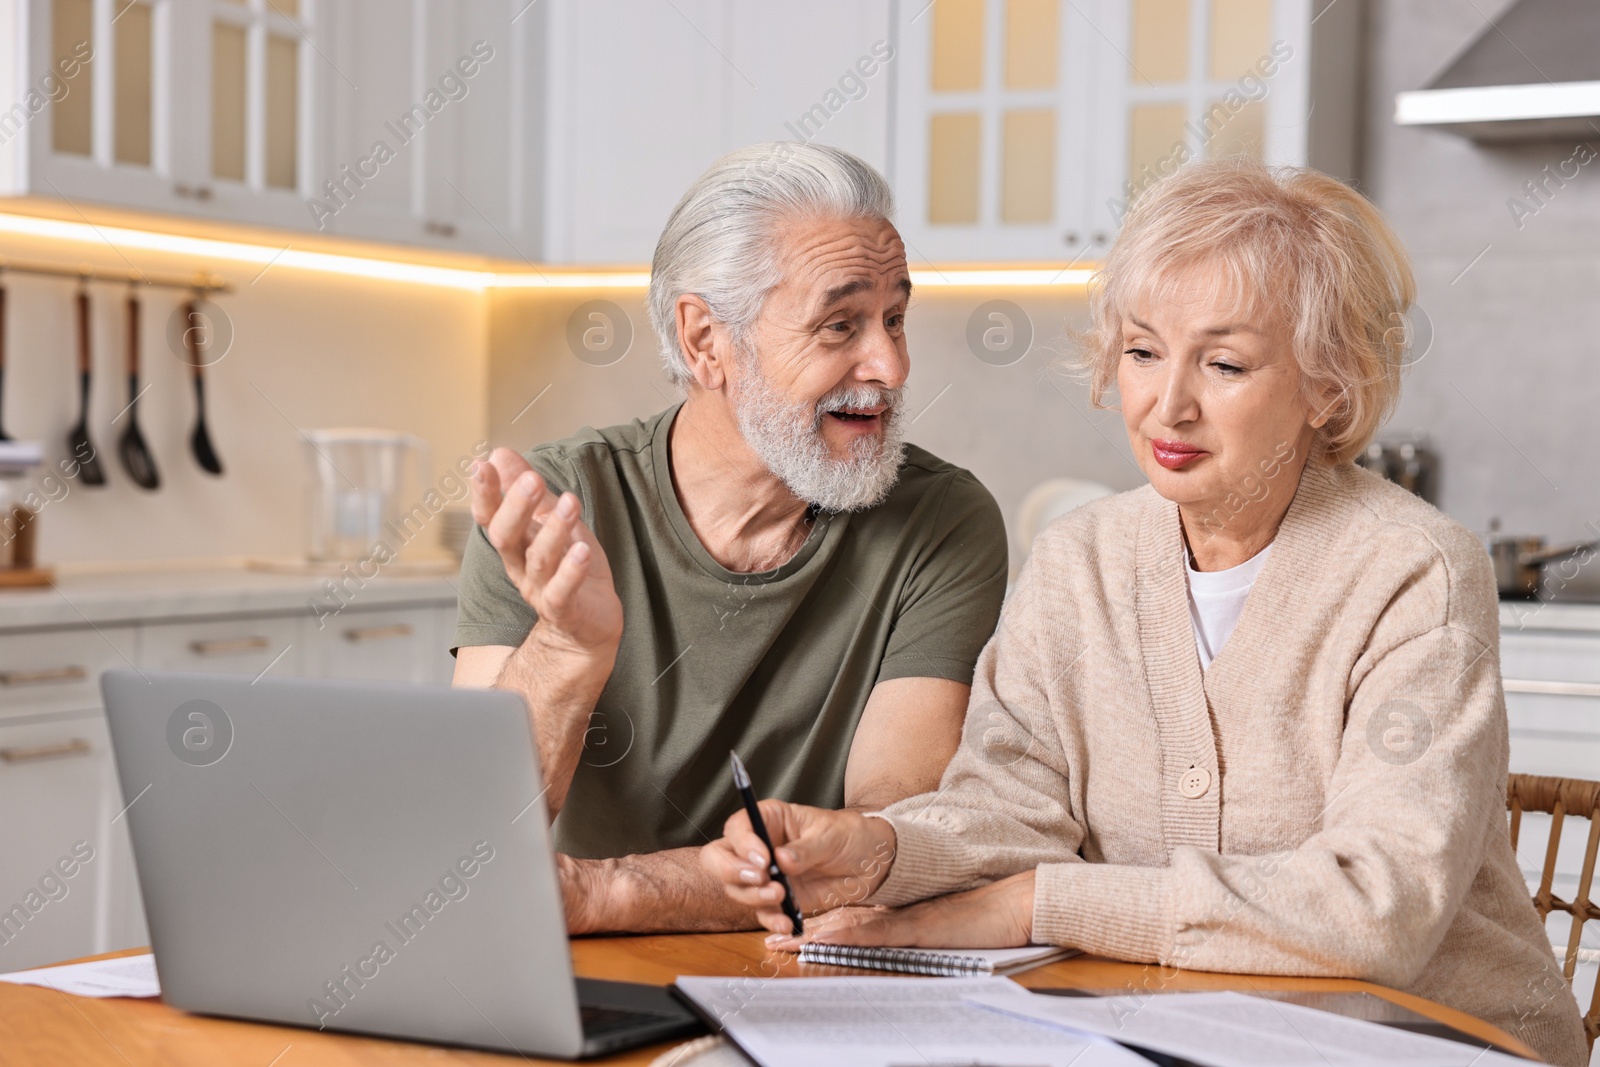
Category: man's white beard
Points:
column 787, row 438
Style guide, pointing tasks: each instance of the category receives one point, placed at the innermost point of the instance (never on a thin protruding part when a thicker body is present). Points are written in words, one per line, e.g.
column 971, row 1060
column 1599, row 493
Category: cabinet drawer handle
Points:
column 229, row 645
column 1560, row 689
column 377, row 633
column 75, row 747
column 46, row 676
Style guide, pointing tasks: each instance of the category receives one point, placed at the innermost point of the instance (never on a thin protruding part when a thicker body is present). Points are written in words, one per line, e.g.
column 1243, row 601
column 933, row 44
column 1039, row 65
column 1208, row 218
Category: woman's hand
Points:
column 831, row 858
column 998, row 915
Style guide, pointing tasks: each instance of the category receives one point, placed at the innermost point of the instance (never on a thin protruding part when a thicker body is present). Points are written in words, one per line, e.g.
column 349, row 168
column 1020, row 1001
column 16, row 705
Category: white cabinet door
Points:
column 44, row 671
column 820, row 71
column 224, row 646
column 109, row 135
column 1552, row 683
column 642, row 97
column 375, row 644
column 1025, row 128
column 436, row 131
column 443, row 664
column 61, row 894
column 1179, row 80
column 372, row 185
column 485, row 174
column 991, row 128
column 212, row 108
column 637, row 105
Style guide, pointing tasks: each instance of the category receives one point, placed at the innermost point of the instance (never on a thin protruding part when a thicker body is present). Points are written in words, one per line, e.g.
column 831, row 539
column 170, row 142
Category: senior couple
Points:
column 1245, row 718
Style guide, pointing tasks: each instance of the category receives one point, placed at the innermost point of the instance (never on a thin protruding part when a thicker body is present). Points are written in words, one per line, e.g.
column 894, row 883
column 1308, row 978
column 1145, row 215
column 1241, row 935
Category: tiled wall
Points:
column 1510, row 392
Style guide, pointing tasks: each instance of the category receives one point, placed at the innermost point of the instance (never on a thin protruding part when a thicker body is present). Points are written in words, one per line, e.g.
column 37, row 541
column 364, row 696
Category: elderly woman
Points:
column 1248, row 717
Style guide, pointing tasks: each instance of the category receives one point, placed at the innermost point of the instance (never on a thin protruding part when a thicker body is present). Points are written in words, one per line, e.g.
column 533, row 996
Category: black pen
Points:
column 741, row 779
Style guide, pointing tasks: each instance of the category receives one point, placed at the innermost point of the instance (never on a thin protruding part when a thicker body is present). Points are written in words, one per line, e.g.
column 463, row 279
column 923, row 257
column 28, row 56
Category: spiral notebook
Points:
column 950, row 963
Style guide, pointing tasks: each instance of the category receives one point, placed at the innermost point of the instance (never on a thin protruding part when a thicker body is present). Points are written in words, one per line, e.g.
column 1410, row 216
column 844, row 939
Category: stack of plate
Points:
column 19, row 457
column 455, row 526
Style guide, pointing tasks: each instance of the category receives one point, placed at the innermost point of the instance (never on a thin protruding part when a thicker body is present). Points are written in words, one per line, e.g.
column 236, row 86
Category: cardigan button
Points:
column 1194, row 783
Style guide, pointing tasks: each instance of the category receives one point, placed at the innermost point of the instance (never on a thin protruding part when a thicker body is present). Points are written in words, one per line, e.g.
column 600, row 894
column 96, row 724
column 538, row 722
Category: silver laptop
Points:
column 361, row 857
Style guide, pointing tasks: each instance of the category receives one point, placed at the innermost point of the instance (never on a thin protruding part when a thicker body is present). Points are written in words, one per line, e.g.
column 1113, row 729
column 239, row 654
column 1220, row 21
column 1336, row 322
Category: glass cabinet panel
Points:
column 957, row 45
column 1155, row 132
column 227, row 101
column 283, row 72
column 1033, row 35
column 1027, row 166
column 71, row 31
column 1243, row 133
column 1241, row 34
column 131, row 124
column 1180, row 110
column 257, row 135
column 954, row 141
column 1160, row 41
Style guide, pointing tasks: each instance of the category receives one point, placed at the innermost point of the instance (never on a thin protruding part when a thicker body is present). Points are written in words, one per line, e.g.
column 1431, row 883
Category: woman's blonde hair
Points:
column 1290, row 242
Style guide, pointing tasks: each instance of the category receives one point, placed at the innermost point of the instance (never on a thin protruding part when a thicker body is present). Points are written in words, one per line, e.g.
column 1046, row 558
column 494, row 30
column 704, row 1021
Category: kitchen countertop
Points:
column 112, row 596
column 1524, row 615
column 101, row 597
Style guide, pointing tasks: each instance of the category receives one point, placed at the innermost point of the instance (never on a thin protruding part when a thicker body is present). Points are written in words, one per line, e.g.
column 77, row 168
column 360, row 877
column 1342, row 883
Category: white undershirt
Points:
column 1216, row 600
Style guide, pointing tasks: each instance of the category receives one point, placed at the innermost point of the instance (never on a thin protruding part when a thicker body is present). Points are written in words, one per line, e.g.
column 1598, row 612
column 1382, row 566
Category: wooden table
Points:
column 42, row 1026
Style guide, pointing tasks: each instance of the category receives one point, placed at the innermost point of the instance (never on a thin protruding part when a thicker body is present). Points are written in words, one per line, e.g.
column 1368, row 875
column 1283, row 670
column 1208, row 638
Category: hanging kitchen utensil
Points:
column 200, row 440
column 3, row 435
column 78, row 437
column 131, row 448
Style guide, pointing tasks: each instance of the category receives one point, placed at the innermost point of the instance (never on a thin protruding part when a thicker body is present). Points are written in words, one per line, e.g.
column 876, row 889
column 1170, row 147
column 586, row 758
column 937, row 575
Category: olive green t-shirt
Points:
column 776, row 665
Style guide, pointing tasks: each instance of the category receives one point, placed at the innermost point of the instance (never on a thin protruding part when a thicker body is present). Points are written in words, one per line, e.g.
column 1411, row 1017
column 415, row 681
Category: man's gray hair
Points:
column 717, row 244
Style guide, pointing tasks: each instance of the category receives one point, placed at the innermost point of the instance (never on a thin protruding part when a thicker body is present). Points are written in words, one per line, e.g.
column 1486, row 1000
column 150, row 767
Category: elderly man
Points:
column 764, row 567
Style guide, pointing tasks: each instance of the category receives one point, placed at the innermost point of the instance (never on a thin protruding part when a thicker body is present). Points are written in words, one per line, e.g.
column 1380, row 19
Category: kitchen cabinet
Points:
column 436, row 119
column 58, row 669
column 272, row 112
column 223, row 646
column 644, row 96
column 67, row 886
column 1024, row 129
column 211, row 108
column 564, row 131
column 57, row 775
column 390, row 644
column 1550, row 662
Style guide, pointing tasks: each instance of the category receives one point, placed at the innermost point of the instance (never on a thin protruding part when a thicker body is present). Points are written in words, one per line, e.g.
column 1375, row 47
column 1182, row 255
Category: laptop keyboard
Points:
column 599, row 1021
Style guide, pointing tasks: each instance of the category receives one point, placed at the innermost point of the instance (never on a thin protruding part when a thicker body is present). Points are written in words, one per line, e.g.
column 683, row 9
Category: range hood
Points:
column 1534, row 74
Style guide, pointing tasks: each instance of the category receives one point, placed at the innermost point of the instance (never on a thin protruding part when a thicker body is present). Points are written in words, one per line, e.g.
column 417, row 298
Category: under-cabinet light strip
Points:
column 266, row 256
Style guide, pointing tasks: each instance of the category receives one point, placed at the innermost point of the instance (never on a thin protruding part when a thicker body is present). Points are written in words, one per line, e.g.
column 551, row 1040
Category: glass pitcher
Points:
column 357, row 494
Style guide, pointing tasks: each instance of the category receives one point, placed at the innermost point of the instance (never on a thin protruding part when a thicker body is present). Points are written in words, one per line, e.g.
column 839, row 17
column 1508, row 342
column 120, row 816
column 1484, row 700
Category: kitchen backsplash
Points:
column 308, row 351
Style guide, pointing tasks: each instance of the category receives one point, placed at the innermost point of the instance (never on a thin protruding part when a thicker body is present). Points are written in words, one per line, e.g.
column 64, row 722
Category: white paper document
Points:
column 125, row 976
column 1237, row 1030
column 888, row 1022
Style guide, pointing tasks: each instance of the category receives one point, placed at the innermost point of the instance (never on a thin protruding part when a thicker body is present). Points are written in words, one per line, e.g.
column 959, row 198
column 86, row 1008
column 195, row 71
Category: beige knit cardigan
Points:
column 1326, row 799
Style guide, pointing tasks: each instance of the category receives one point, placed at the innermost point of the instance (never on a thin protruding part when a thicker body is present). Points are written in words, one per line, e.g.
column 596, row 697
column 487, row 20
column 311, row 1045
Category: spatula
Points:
column 200, row 440
column 3, row 435
column 131, row 448
column 78, row 437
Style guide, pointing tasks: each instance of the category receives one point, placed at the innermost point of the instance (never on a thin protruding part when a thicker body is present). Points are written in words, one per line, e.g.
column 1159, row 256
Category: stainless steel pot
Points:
column 1519, row 563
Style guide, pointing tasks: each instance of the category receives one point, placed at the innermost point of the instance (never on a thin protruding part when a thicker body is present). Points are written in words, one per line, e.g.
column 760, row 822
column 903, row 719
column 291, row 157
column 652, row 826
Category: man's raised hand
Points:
column 553, row 559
